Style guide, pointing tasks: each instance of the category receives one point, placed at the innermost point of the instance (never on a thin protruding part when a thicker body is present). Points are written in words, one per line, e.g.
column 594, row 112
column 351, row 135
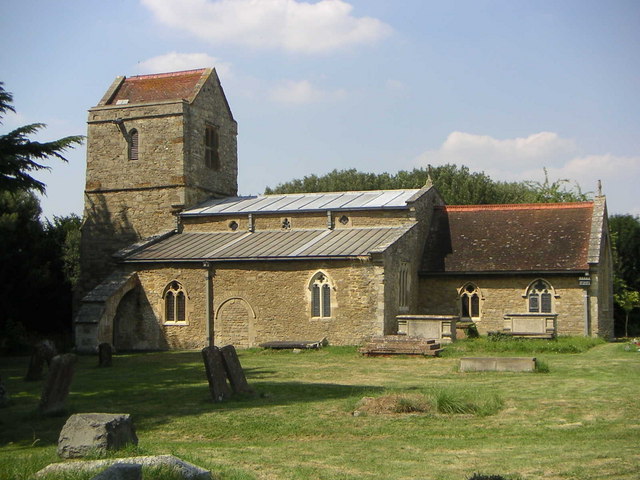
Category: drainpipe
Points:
column 586, row 283
column 208, row 303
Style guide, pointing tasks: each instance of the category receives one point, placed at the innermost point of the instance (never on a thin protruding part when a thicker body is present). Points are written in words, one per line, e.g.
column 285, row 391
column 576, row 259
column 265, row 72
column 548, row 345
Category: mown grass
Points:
column 578, row 421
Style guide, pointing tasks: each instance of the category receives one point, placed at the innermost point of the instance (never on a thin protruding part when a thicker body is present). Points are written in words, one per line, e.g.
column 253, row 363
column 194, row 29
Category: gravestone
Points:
column 216, row 374
column 91, row 433
column 4, row 395
column 234, row 370
column 48, row 350
column 105, row 354
column 43, row 351
column 56, row 387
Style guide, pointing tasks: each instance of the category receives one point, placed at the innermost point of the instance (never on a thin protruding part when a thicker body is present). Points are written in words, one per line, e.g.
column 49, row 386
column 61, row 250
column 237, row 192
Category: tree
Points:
column 625, row 236
column 457, row 185
column 627, row 300
column 20, row 156
column 37, row 260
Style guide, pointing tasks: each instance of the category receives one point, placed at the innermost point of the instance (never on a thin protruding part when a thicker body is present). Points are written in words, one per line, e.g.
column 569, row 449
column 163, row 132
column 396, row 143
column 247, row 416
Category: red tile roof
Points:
column 158, row 87
column 551, row 237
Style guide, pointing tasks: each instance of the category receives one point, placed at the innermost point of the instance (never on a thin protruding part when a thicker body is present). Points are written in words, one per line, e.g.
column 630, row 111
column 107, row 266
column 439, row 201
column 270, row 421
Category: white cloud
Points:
column 291, row 25
column 509, row 155
column 302, row 92
column 517, row 159
column 173, row 62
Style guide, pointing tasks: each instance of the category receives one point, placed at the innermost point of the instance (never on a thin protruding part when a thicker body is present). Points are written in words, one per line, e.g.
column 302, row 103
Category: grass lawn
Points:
column 581, row 420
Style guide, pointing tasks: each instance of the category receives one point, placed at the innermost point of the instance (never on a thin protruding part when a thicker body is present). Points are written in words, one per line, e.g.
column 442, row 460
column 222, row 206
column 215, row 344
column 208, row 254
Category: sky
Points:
column 505, row 87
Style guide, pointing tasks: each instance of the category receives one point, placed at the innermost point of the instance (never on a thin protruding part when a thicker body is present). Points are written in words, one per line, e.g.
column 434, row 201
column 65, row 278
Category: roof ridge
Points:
column 518, row 206
column 167, row 74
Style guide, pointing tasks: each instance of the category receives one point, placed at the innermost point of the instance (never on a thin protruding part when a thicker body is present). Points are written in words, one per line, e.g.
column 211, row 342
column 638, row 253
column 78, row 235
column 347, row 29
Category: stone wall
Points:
column 255, row 302
column 500, row 295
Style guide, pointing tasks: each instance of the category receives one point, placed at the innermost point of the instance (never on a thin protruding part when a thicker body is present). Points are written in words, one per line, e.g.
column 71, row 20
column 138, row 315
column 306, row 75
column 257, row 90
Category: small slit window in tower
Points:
column 133, row 144
column 211, row 155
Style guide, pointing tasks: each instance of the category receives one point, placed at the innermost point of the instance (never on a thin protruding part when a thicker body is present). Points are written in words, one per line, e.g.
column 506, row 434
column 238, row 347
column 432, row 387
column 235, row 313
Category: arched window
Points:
column 175, row 303
column 469, row 302
column 320, row 296
column 133, row 144
column 540, row 297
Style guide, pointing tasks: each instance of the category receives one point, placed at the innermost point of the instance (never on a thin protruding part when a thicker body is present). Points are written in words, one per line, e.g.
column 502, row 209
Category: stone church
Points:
column 172, row 258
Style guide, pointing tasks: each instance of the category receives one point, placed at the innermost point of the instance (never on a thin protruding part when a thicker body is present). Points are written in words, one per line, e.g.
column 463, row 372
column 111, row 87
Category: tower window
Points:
column 133, row 144
column 211, row 156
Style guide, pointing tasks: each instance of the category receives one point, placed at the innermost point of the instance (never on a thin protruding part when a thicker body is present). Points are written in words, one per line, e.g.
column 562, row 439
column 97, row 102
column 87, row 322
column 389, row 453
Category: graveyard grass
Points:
column 581, row 420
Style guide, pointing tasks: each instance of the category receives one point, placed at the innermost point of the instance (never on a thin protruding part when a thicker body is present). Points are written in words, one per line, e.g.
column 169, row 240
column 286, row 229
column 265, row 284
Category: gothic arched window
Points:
column 175, row 303
column 470, row 302
column 320, row 296
column 133, row 144
column 540, row 297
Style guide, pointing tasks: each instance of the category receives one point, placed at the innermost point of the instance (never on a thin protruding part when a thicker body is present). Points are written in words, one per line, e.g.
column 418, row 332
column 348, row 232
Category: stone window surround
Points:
column 464, row 291
column 321, row 279
column 169, row 290
column 552, row 291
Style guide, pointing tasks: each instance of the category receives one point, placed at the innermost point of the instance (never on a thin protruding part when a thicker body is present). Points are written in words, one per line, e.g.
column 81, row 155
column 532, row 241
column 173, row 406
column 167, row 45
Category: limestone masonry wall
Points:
column 256, row 302
column 500, row 295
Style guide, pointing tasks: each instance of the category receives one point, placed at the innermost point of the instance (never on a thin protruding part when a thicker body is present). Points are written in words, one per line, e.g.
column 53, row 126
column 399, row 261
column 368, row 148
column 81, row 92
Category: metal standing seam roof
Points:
column 270, row 245
column 305, row 202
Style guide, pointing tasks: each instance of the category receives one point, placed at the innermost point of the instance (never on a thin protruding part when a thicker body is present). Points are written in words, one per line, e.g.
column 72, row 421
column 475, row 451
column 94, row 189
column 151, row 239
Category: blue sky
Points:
column 505, row 87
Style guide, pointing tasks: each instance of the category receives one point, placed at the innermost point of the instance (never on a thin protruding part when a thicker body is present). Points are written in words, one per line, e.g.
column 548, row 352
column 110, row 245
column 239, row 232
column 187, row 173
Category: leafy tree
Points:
column 457, row 185
column 627, row 300
column 20, row 156
column 37, row 260
column 625, row 235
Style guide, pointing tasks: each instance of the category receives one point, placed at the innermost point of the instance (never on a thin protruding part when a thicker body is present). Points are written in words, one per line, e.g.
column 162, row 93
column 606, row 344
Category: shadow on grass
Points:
column 155, row 388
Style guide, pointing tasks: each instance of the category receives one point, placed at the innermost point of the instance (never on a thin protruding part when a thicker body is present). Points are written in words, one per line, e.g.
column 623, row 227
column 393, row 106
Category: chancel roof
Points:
column 159, row 87
column 306, row 202
column 509, row 238
column 269, row 245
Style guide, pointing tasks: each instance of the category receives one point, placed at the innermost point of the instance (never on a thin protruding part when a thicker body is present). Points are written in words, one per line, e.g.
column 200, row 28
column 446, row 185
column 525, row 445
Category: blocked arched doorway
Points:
column 234, row 323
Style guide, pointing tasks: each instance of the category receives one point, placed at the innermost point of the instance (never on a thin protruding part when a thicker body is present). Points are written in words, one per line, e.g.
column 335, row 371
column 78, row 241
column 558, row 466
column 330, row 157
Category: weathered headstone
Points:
column 86, row 433
column 56, row 387
column 43, row 351
column 4, row 395
column 234, row 370
column 48, row 350
column 216, row 374
column 36, row 365
column 105, row 354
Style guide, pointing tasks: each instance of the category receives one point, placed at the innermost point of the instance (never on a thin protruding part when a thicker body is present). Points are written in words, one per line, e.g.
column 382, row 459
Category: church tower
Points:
column 157, row 144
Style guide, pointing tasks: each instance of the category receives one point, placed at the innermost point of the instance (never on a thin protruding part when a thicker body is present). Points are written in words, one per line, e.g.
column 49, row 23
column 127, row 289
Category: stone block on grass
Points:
column 95, row 433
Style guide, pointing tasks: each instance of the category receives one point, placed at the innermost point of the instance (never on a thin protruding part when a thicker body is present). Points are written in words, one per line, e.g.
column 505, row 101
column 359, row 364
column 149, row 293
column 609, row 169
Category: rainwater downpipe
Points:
column 208, row 303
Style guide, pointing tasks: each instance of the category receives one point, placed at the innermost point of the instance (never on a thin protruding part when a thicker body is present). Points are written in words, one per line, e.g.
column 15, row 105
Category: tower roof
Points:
column 156, row 88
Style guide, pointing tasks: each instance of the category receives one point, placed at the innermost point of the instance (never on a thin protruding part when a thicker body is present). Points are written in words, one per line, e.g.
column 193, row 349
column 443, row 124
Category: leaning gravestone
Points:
column 43, row 351
column 234, row 370
column 4, row 395
column 216, row 374
column 105, row 354
column 91, row 433
column 56, row 388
